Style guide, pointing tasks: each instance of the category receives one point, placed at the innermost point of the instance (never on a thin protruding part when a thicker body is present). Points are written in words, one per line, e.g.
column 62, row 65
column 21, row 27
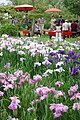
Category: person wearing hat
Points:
column 65, row 27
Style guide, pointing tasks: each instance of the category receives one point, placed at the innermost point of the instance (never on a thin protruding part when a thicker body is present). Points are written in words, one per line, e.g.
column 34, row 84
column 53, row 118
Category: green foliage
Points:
column 9, row 29
column 47, row 25
column 40, row 5
column 73, row 6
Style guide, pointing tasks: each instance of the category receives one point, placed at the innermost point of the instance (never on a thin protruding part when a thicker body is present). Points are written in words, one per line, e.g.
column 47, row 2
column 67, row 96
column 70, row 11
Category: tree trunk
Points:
column 33, row 22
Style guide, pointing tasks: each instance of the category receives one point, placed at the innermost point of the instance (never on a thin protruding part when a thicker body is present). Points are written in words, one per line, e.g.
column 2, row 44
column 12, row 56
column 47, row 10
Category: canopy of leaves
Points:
column 41, row 6
column 73, row 6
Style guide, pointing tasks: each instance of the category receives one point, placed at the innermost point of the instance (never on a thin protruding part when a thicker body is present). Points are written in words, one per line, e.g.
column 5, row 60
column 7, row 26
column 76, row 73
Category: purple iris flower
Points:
column 71, row 68
column 75, row 71
column 48, row 63
column 71, row 53
column 78, row 54
column 52, row 53
column 77, row 62
column 58, row 58
column 74, row 56
column 50, row 44
column 67, row 59
column 50, row 60
column 62, row 52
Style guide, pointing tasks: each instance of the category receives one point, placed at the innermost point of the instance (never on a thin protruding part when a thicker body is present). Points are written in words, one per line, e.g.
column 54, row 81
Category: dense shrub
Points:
column 47, row 25
column 9, row 29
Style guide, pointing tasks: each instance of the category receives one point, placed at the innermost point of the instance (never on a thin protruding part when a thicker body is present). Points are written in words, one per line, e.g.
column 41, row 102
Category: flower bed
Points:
column 39, row 81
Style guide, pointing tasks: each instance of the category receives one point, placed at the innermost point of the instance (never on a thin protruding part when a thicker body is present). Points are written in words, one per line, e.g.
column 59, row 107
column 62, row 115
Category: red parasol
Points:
column 53, row 10
column 24, row 7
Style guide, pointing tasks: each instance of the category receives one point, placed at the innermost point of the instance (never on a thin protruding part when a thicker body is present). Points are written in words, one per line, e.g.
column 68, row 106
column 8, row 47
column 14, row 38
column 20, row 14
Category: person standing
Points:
column 65, row 27
column 60, row 21
column 53, row 25
column 58, row 32
column 70, row 21
column 41, row 24
column 74, row 28
column 78, row 28
column 36, row 28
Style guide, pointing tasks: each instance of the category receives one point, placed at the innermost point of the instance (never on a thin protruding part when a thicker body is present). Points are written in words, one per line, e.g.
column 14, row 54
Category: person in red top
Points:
column 74, row 28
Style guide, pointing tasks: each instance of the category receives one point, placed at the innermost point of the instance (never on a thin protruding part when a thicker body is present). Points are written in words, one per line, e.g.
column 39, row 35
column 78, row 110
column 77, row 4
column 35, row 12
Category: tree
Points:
column 73, row 6
column 53, row 3
column 18, row 2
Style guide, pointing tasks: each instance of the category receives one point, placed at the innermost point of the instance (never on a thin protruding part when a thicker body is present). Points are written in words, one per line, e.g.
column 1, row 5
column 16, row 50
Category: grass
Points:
column 45, row 38
column 72, row 39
